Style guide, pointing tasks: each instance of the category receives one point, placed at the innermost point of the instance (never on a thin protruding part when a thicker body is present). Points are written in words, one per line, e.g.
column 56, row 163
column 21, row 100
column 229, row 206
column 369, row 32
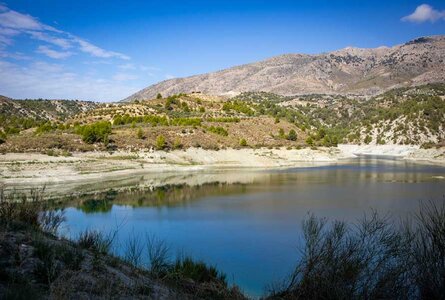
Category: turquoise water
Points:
column 250, row 226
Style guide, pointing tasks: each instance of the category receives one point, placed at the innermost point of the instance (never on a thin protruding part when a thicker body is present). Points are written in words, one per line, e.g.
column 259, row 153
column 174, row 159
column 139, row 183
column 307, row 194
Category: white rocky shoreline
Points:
column 20, row 170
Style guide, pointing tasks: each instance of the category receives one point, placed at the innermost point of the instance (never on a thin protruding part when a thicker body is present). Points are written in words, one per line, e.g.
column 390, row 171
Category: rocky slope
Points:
column 346, row 71
column 43, row 109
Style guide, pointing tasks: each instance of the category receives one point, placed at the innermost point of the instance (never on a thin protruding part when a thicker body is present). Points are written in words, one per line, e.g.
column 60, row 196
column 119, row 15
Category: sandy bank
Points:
column 34, row 169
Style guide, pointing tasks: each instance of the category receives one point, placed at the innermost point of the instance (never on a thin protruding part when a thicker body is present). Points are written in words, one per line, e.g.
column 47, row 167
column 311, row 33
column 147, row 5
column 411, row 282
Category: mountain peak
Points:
column 351, row 70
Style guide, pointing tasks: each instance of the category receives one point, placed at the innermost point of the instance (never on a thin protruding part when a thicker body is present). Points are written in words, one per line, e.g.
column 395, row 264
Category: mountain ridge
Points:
column 351, row 70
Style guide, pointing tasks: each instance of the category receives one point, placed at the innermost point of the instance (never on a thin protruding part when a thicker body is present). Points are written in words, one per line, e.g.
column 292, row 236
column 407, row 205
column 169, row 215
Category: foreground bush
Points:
column 374, row 259
column 23, row 211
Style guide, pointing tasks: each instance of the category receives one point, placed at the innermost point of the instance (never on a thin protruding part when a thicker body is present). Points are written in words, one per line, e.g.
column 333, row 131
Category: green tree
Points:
column 160, row 142
column 96, row 132
column 159, row 96
column 243, row 142
column 368, row 139
column 140, row 133
column 292, row 136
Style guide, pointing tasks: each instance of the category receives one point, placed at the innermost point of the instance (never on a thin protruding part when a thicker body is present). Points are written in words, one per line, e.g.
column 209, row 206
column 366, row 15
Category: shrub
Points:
column 96, row 241
column 223, row 120
column 198, row 271
column 160, row 142
column 46, row 127
column 373, row 259
column 368, row 139
column 19, row 210
column 218, row 130
column 177, row 144
column 309, row 141
column 140, row 133
column 292, row 136
column 2, row 137
column 243, row 142
column 159, row 96
column 96, row 132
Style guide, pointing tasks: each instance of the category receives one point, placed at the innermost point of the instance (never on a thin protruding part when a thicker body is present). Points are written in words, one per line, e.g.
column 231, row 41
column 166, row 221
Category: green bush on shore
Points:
column 95, row 132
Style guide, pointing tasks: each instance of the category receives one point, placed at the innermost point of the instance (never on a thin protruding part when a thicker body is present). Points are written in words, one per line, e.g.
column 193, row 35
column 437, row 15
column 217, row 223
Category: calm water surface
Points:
column 248, row 223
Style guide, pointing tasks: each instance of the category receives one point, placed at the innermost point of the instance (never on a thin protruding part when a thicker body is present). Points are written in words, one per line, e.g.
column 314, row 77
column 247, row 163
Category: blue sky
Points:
column 106, row 50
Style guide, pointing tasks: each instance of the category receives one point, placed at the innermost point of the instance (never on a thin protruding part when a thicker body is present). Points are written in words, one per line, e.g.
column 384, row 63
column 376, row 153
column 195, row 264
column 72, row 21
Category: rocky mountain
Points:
column 347, row 71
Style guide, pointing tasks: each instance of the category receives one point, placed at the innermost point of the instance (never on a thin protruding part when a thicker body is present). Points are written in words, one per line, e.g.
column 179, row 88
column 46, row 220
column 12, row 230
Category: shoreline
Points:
column 25, row 170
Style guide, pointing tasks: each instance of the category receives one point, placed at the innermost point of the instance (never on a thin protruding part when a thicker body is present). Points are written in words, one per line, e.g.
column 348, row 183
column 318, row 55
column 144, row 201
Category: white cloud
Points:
column 13, row 19
column 99, row 52
column 13, row 23
column 61, row 42
column 53, row 53
column 127, row 67
column 54, row 81
column 424, row 13
column 6, row 35
column 15, row 55
column 124, row 77
column 169, row 76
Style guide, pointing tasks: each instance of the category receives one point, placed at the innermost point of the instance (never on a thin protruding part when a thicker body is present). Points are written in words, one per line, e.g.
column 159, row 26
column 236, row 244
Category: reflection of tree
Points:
column 167, row 195
column 93, row 206
column 99, row 205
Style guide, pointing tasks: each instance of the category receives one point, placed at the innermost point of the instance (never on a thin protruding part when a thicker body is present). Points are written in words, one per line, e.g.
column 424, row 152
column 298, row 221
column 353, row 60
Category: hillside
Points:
column 347, row 71
column 409, row 116
column 16, row 115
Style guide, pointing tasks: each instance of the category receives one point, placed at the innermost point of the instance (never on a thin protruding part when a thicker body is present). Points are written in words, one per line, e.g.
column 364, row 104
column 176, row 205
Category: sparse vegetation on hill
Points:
column 402, row 116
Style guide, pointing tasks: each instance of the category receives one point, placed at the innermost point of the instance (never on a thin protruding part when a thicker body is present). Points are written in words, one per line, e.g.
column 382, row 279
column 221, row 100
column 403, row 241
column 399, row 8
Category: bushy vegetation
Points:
column 153, row 120
column 223, row 120
column 292, row 136
column 238, row 106
column 160, row 142
column 218, row 130
column 95, row 132
column 19, row 210
column 374, row 259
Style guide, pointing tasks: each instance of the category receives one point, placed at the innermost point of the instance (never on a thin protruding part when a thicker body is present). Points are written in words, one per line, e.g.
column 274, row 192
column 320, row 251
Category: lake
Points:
column 248, row 222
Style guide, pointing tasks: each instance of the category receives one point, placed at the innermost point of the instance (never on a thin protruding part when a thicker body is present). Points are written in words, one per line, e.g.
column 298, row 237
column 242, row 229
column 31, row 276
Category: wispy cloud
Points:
column 127, row 67
column 53, row 53
column 58, row 41
column 124, row 77
column 41, row 79
column 425, row 13
column 98, row 52
column 13, row 23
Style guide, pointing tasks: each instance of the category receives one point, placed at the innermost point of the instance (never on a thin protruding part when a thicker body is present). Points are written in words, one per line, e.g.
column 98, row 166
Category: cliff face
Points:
column 346, row 71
